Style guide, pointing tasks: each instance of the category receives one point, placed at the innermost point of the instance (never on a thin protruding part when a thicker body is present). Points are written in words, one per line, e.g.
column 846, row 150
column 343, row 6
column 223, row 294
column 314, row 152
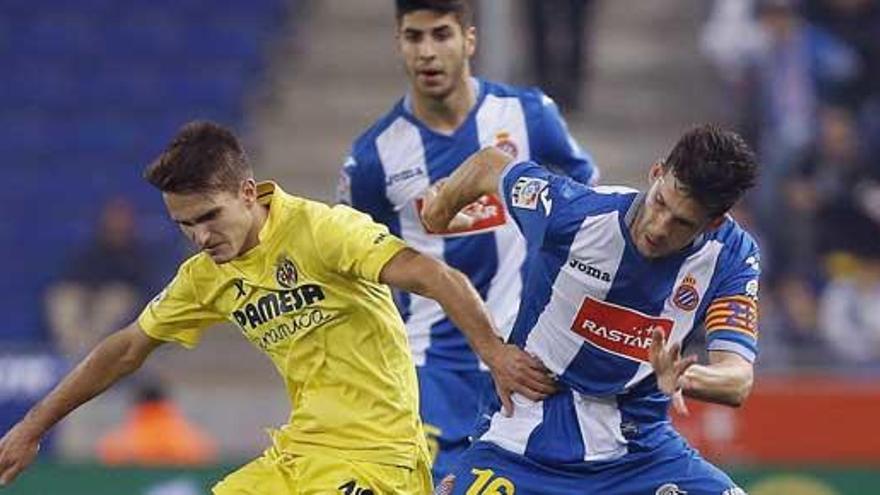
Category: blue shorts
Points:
column 450, row 404
column 673, row 469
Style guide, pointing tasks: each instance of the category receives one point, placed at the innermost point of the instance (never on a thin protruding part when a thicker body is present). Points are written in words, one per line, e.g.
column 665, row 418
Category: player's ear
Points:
column 470, row 41
column 656, row 171
column 248, row 191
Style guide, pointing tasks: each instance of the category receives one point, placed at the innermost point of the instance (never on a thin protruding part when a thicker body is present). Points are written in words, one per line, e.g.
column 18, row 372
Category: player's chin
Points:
column 221, row 256
column 435, row 90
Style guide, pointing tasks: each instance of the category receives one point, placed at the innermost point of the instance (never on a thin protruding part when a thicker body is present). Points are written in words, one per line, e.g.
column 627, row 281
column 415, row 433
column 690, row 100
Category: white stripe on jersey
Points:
column 599, row 422
column 512, row 433
column 402, row 139
column 599, row 245
column 700, row 266
column 496, row 115
column 400, row 150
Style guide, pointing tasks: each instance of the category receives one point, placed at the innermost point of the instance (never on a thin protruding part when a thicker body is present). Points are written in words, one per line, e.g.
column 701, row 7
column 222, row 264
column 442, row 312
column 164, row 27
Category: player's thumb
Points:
column 506, row 402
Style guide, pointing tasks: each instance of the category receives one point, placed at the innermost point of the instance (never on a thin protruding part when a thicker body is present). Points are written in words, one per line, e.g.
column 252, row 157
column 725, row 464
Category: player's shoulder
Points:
column 502, row 90
column 200, row 273
column 364, row 144
column 321, row 216
column 580, row 198
column 737, row 241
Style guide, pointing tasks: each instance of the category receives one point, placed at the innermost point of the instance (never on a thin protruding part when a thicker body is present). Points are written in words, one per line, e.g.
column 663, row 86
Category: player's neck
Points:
column 260, row 213
column 445, row 115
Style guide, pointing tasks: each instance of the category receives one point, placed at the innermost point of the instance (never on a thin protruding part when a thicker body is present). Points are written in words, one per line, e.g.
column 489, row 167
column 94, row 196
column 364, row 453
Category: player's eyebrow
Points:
column 678, row 218
column 440, row 29
column 204, row 217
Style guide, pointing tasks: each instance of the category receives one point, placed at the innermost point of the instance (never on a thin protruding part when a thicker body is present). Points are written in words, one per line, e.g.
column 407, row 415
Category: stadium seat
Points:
column 92, row 90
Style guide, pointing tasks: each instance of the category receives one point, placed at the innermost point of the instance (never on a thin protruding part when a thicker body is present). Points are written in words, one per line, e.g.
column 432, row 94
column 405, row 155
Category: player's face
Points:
column 669, row 219
column 435, row 50
column 219, row 223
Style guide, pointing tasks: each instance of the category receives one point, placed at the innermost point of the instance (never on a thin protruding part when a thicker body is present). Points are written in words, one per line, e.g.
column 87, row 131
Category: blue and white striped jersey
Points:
column 394, row 162
column 590, row 303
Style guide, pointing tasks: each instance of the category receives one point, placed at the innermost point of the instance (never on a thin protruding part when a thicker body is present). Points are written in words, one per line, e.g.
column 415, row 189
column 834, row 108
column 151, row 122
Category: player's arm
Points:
column 116, row 356
column 726, row 379
column 513, row 369
column 478, row 175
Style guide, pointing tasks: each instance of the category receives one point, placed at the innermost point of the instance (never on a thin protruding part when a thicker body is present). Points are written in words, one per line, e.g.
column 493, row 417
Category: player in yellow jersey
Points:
column 306, row 284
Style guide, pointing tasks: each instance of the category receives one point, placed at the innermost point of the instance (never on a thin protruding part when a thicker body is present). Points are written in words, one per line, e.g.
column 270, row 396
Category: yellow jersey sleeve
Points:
column 350, row 242
column 176, row 314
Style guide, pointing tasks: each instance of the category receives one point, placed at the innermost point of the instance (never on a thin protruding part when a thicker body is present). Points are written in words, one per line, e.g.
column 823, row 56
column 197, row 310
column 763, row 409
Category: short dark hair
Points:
column 715, row 166
column 462, row 9
column 202, row 157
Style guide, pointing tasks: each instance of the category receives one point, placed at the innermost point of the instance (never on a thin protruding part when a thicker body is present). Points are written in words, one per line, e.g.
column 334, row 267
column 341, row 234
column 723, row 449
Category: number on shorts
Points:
column 487, row 483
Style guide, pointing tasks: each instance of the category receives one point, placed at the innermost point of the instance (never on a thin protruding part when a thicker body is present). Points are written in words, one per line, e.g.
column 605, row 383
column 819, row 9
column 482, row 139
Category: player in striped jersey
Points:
column 617, row 283
column 447, row 115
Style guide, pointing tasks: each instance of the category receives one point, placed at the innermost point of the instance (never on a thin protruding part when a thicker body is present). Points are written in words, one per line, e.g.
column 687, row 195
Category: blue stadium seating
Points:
column 92, row 90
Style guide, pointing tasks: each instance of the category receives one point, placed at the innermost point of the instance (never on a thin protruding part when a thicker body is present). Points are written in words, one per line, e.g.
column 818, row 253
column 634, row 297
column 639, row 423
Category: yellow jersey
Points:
column 308, row 296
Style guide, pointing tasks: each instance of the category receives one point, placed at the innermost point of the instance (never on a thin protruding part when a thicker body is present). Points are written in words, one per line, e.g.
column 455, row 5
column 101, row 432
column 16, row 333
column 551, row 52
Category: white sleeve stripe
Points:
column 729, row 346
column 504, row 174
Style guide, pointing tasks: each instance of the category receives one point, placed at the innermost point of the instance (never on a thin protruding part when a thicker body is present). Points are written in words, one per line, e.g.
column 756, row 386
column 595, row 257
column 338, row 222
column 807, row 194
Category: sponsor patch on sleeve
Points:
column 527, row 192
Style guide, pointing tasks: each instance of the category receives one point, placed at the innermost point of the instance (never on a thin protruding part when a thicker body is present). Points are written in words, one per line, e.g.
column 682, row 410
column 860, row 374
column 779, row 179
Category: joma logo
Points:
column 589, row 270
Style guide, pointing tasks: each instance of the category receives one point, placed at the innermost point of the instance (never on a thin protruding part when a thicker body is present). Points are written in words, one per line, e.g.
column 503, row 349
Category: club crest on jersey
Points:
column 285, row 273
column 686, row 296
column 505, row 144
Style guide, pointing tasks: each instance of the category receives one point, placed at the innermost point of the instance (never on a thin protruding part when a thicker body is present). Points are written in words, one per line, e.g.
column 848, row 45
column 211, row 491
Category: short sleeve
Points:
column 732, row 316
column 361, row 185
column 351, row 243
column 176, row 314
column 553, row 144
column 526, row 189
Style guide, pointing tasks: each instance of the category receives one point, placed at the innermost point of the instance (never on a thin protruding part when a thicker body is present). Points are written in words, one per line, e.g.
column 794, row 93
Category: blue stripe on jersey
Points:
column 448, row 344
column 538, row 288
column 644, row 415
column 605, row 373
column 370, row 181
column 551, row 442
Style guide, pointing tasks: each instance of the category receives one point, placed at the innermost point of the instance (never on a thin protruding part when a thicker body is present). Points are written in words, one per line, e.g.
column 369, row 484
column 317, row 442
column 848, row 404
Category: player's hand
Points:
column 516, row 371
column 669, row 366
column 18, row 448
column 435, row 214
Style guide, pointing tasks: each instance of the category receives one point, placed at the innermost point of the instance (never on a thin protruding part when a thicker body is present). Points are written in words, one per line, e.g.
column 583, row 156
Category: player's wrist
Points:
column 26, row 430
column 492, row 352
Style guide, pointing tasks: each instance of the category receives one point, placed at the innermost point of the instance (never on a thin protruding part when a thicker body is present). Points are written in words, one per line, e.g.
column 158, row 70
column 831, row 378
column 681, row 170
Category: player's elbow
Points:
column 124, row 351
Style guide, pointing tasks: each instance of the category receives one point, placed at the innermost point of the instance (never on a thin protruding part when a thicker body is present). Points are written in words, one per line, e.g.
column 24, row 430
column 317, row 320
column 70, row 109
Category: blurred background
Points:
column 92, row 90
